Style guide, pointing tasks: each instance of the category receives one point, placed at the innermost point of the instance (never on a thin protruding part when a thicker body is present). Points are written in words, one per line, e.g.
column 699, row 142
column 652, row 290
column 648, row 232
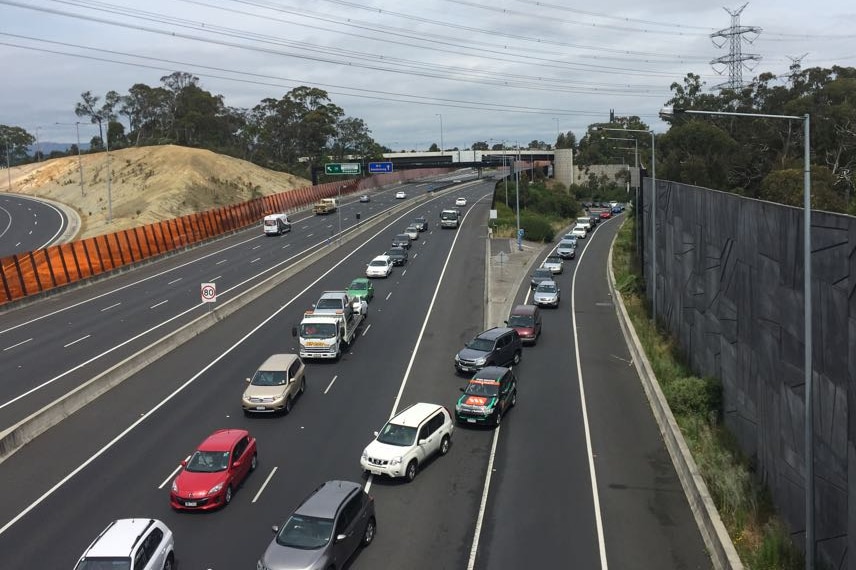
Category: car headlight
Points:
column 261, row 566
column 216, row 488
column 174, row 487
column 480, row 361
column 395, row 461
column 457, row 358
column 365, row 454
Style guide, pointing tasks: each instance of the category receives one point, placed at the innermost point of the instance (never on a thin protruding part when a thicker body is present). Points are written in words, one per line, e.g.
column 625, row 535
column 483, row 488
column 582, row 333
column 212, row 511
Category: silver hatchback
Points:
column 325, row 531
column 546, row 294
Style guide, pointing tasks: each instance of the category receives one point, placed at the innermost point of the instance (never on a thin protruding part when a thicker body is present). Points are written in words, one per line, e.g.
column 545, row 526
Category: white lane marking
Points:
column 483, row 506
column 330, row 226
column 258, row 246
column 595, row 496
column 256, row 259
column 421, row 334
column 330, row 385
column 262, row 488
column 286, row 245
column 174, row 281
column 17, row 344
column 306, row 227
column 424, row 242
column 31, row 232
column 366, row 330
column 8, row 225
column 159, row 304
column 36, row 222
column 310, row 235
column 170, row 476
column 76, row 341
column 17, row 244
column 123, row 287
column 221, row 261
column 414, row 255
column 388, row 295
column 32, row 506
column 215, row 278
column 113, row 306
column 403, row 273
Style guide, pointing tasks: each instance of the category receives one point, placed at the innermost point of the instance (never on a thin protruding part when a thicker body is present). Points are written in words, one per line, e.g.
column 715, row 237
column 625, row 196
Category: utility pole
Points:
column 109, row 186
column 9, row 166
column 79, row 159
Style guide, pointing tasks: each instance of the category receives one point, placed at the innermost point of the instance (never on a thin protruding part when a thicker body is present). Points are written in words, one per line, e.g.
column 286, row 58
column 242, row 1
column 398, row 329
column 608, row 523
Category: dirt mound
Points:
column 148, row 184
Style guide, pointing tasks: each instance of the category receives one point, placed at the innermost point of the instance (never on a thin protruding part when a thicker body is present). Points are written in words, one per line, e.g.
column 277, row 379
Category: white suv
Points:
column 141, row 544
column 380, row 266
column 408, row 439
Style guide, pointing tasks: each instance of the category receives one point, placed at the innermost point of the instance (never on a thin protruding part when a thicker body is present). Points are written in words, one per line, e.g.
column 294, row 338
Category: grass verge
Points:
column 761, row 539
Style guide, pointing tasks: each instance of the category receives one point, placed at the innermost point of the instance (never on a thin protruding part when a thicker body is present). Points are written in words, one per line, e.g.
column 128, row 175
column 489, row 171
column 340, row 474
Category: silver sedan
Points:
column 546, row 294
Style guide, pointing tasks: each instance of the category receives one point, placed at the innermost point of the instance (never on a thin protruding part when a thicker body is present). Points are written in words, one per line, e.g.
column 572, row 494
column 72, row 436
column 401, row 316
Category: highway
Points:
column 116, row 457
column 27, row 224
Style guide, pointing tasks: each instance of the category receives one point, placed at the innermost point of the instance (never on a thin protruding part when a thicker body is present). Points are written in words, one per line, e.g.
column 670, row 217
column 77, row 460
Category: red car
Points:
column 218, row 466
column 605, row 215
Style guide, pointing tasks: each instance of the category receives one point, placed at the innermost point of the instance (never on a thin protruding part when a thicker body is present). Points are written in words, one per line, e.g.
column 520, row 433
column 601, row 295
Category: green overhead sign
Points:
column 342, row 168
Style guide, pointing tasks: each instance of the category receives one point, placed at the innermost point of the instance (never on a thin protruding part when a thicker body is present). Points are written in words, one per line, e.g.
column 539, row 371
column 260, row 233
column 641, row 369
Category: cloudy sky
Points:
column 488, row 70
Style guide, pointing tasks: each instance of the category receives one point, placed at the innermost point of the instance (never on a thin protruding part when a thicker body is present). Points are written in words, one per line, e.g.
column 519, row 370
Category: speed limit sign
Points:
column 209, row 292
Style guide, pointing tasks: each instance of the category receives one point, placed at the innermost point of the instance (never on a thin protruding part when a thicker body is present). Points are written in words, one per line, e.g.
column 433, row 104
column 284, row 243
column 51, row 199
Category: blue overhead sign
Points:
column 380, row 167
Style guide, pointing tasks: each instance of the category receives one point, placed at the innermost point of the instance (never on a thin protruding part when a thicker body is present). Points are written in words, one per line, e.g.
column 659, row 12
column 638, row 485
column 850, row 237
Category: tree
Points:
column 88, row 108
column 434, row 148
column 480, row 145
column 15, row 141
column 566, row 140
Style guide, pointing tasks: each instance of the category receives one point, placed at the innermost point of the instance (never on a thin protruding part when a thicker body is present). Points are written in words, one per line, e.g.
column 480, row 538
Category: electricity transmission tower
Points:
column 736, row 60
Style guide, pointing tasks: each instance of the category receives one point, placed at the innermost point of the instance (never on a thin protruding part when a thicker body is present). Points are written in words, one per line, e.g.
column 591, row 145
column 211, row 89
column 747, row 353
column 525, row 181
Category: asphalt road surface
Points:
column 27, row 224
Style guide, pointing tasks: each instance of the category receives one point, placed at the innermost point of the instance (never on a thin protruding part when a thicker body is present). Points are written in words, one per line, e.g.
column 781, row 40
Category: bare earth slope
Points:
column 148, row 184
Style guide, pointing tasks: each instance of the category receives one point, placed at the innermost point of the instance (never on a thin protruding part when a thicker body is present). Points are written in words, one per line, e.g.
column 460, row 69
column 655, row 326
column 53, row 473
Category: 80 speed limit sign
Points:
column 209, row 292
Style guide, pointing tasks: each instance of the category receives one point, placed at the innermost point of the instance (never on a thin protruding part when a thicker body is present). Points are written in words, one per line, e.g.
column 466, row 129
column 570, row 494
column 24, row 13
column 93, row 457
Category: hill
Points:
column 148, row 184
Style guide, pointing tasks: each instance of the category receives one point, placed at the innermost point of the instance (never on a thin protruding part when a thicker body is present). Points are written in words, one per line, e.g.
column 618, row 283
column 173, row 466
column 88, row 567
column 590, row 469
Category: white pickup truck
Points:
column 327, row 335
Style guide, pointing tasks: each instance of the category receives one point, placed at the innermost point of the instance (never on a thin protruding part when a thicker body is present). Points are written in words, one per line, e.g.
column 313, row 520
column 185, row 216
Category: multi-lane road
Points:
column 560, row 496
column 27, row 224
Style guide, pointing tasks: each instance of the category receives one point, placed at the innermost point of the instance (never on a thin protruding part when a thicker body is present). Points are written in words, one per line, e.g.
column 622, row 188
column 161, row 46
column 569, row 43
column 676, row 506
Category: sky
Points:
column 417, row 73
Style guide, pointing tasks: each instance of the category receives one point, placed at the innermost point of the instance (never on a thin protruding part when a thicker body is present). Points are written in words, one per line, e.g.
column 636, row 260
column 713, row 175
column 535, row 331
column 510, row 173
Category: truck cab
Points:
column 450, row 218
column 326, row 206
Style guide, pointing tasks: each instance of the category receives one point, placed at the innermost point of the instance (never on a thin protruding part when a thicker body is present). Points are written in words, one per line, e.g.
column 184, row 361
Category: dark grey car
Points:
column 540, row 274
column 398, row 255
column 499, row 346
column 401, row 240
column 325, row 531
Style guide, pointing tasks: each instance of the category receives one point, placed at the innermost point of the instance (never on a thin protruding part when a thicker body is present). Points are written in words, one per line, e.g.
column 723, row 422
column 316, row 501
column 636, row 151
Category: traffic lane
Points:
column 646, row 517
column 429, row 522
column 27, row 224
column 544, row 435
column 200, row 402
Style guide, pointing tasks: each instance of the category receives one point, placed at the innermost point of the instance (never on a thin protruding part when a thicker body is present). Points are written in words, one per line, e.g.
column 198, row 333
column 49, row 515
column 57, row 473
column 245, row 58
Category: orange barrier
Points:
column 33, row 272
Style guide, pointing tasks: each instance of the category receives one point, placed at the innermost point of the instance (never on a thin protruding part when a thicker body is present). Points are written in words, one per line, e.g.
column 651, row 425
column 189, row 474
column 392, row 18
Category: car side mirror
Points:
column 313, row 306
column 184, row 462
column 236, row 464
column 463, row 389
column 249, row 380
column 423, row 441
column 506, row 323
column 375, row 434
column 275, row 528
column 293, row 331
column 341, row 537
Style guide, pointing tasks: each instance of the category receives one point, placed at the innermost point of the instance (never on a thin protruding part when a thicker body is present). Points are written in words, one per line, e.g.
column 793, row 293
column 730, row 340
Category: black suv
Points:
column 499, row 346
column 401, row 240
column 398, row 255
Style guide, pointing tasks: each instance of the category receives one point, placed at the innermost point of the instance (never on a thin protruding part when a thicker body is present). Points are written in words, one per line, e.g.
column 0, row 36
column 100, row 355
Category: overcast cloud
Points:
column 513, row 70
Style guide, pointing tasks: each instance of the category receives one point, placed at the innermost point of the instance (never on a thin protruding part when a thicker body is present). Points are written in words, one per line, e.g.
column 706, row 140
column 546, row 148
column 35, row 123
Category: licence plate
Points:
column 190, row 503
column 471, row 420
column 260, row 408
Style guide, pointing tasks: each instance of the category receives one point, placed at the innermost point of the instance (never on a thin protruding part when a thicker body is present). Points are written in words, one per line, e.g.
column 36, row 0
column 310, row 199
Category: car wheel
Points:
column 514, row 398
column 303, row 385
column 170, row 562
column 287, row 407
column 368, row 536
column 228, row 498
column 516, row 359
column 412, row 467
column 444, row 445
column 254, row 462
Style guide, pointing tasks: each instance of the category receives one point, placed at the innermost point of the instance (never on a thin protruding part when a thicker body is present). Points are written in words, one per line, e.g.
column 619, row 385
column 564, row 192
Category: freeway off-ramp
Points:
column 540, row 507
column 28, row 224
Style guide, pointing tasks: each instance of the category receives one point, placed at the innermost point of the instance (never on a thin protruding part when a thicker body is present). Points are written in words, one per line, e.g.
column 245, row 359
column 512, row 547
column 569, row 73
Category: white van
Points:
column 276, row 224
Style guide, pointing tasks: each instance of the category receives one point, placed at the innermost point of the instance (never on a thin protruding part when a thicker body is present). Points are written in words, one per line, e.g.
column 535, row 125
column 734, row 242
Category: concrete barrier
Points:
column 18, row 435
column 716, row 539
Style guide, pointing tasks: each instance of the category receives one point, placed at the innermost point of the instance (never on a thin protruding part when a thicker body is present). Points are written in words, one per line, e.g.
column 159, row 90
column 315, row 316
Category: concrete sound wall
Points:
column 729, row 287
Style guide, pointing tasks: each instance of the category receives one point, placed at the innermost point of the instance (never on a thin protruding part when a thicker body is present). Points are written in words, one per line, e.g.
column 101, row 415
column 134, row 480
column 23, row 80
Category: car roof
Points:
column 524, row 310
column 222, row 439
column 402, row 235
column 414, row 415
column 495, row 332
column 119, row 538
column 324, row 502
column 278, row 362
column 491, row 373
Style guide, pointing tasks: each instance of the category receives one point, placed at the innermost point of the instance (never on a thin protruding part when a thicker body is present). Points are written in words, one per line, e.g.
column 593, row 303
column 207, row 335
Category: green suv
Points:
column 361, row 287
column 487, row 397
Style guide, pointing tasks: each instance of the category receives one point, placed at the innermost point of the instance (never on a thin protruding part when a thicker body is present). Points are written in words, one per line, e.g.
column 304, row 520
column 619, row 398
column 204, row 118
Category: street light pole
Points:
column 9, row 164
column 517, row 194
column 109, row 185
column 79, row 159
column 557, row 130
column 808, row 434
column 442, row 144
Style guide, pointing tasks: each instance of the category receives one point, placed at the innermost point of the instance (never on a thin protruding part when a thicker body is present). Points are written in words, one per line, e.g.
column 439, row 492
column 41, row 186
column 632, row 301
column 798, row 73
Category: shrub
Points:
column 693, row 396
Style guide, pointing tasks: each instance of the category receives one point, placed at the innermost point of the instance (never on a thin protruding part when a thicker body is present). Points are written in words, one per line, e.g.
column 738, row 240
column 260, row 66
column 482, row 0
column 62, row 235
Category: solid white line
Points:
column 221, row 261
column 483, row 506
column 76, row 341
column 111, row 306
column 159, row 304
column 262, row 488
column 174, row 281
column 388, row 295
column 330, row 385
column 256, row 259
column 15, row 345
column 365, row 330
column 170, row 476
column 595, row 496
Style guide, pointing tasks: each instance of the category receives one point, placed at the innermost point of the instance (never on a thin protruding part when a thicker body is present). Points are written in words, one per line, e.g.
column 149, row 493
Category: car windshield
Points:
column 480, row 344
column 305, row 533
column 378, row 263
column 395, row 434
column 542, row 273
column 448, row 216
column 329, row 304
column 402, row 237
column 553, row 260
column 421, row 220
column 270, row 222
column 208, row 461
column 520, row 321
column 359, row 286
column 480, row 387
column 105, row 563
column 546, row 288
column 567, row 244
column 317, row 330
column 396, row 252
column 269, row 378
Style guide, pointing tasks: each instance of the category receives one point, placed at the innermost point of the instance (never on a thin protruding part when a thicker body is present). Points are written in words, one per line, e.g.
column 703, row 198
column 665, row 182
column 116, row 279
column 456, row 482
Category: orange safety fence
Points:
column 33, row 272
